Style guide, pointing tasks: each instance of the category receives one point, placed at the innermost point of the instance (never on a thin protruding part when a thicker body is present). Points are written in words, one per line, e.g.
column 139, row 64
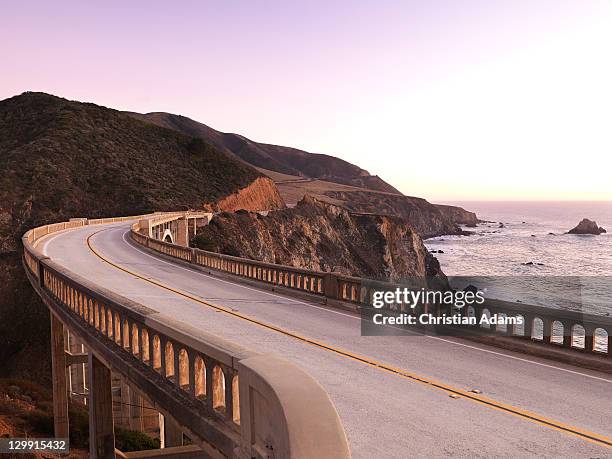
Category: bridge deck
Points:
column 384, row 414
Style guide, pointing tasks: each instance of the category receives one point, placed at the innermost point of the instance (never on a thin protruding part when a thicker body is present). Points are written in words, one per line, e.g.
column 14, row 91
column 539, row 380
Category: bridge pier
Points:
column 173, row 435
column 60, row 381
column 182, row 232
column 77, row 371
column 101, row 431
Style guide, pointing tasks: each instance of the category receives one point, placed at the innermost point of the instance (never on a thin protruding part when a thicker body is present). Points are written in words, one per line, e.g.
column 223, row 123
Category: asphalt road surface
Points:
column 385, row 414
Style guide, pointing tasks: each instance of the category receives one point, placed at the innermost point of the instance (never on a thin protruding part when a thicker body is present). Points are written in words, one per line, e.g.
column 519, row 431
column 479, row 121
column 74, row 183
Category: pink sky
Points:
column 449, row 100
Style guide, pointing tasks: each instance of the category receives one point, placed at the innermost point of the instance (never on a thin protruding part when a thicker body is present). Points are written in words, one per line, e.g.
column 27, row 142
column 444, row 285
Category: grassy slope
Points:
column 67, row 158
column 61, row 159
column 285, row 160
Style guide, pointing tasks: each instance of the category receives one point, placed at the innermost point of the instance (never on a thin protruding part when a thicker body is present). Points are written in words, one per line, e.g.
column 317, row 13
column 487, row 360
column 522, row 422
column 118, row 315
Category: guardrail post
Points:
column 547, row 331
column 41, row 272
column 589, row 338
column 528, row 327
column 101, row 431
column 330, row 285
column 567, row 334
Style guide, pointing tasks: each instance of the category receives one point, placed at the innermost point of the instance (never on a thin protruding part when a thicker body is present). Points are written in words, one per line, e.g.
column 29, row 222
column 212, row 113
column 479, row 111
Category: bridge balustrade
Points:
column 541, row 324
column 243, row 404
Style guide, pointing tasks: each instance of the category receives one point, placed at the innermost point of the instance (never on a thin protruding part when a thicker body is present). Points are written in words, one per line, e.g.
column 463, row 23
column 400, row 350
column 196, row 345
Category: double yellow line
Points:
column 598, row 439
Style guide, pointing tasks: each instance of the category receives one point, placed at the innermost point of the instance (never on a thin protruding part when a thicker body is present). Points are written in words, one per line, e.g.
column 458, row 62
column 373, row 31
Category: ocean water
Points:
column 568, row 271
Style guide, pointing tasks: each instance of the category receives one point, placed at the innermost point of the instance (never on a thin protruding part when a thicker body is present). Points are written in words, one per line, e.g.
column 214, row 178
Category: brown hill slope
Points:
column 298, row 173
column 276, row 158
column 61, row 159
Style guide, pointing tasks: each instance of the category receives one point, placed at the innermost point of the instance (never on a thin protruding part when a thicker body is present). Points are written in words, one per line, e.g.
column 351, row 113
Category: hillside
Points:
column 298, row 173
column 320, row 236
column 427, row 219
column 276, row 158
column 61, row 159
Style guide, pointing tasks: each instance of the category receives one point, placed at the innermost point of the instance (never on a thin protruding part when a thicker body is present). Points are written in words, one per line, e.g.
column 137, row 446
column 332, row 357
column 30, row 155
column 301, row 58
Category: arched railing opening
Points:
column 557, row 332
column 218, row 388
column 601, row 340
column 144, row 336
column 157, row 354
column 183, row 369
column 117, row 332
column 135, row 344
column 486, row 313
column 200, row 377
column 537, row 330
column 578, row 336
column 109, row 324
column 102, row 326
column 169, row 354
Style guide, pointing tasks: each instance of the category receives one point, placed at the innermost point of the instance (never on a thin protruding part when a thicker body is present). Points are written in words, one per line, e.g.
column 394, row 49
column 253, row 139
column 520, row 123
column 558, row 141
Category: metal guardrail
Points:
column 220, row 393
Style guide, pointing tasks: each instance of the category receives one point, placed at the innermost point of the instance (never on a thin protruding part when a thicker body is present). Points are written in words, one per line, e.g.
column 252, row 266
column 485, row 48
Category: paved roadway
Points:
column 384, row 414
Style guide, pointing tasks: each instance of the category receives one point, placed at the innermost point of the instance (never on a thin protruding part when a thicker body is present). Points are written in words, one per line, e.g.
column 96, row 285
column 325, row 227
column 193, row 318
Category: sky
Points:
column 451, row 100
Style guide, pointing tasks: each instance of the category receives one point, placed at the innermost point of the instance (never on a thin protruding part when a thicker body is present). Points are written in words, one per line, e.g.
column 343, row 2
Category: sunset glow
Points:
column 446, row 100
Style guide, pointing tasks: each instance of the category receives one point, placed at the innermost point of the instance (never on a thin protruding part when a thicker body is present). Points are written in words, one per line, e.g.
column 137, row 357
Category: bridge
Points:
column 247, row 359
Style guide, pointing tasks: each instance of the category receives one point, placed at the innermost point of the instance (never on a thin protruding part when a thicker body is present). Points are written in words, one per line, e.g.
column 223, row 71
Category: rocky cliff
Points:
column 427, row 219
column 320, row 236
column 459, row 215
column 261, row 194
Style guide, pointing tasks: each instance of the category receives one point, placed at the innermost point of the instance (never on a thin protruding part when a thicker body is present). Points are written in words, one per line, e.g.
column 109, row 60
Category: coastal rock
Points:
column 324, row 237
column 459, row 216
column 587, row 226
column 426, row 218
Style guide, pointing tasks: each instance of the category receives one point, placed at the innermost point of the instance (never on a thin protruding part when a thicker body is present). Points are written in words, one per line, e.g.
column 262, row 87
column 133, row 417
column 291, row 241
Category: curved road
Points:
column 385, row 414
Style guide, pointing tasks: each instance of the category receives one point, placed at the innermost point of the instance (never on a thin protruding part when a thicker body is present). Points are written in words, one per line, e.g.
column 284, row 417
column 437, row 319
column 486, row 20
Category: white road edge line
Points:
column 193, row 271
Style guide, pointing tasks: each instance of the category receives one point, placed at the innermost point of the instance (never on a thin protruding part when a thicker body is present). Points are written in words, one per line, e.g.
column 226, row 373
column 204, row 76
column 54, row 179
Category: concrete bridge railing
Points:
column 588, row 333
column 230, row 401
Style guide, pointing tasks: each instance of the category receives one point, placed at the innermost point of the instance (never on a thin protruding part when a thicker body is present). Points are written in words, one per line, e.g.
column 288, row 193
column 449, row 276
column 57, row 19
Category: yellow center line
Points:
column 598, row 439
